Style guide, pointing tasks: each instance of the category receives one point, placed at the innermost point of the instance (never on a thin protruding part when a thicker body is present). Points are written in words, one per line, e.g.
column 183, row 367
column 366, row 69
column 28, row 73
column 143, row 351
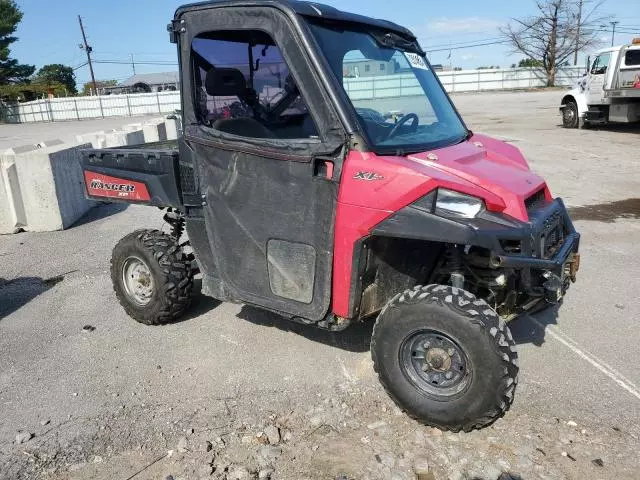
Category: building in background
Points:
column 146, row 83
column 358, row 68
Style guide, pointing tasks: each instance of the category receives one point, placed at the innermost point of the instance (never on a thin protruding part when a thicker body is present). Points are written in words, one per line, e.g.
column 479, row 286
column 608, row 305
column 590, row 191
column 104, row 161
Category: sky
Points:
column 117, row 29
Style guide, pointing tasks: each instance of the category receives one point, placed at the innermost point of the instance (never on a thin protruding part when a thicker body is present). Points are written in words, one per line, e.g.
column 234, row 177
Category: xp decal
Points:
column 368, row 176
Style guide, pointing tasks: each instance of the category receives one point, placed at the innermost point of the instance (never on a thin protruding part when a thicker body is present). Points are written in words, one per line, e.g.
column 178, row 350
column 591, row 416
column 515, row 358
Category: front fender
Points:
column 578, row 96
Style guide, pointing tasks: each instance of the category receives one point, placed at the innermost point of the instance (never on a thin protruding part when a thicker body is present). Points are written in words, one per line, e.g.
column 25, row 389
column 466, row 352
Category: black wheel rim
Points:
column 435, row 363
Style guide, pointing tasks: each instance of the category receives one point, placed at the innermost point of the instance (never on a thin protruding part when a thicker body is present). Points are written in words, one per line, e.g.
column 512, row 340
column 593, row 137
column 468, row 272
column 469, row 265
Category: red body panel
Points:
column 374, row 187
column 99, row 185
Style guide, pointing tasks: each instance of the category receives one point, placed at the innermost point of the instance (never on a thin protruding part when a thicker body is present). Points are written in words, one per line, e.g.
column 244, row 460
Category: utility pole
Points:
column 85, row 46
column 575, row 57
column 133, row 64
column 613, row 32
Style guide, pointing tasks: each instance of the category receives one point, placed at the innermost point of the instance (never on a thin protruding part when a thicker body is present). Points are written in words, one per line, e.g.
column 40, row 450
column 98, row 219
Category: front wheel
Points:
column 445, row 357
column 152, row 277
column 570, row 115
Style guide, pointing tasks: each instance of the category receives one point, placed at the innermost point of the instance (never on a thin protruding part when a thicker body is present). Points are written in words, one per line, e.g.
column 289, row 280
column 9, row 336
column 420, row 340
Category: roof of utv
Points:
column 307, row 9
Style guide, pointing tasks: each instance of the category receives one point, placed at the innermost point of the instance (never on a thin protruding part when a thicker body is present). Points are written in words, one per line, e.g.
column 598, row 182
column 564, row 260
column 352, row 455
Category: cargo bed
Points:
column 148, row 174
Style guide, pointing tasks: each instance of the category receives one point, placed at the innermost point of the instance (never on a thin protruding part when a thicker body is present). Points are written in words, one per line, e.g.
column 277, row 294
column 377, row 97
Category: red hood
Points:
column 482, row 166
column 492, row 165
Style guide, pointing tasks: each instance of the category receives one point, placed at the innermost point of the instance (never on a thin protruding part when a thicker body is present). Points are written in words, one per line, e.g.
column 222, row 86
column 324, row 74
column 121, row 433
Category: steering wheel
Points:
column 396, row 128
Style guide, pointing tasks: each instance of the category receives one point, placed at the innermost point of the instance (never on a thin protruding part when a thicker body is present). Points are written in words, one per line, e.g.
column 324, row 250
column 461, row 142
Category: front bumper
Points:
column 541, row 274
column 558, row 273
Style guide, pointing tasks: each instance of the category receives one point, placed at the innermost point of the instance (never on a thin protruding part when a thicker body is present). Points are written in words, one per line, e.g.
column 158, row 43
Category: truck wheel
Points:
column 445, row 357
column 570, row 115
column 152, row 277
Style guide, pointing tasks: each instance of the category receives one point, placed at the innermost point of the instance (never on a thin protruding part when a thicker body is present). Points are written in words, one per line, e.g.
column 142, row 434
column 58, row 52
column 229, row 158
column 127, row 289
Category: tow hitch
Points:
column 557, row 285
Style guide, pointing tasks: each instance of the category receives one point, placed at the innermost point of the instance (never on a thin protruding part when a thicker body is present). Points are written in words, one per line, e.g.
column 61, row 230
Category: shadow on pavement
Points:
column 103, row 210
column 355, row 338
column 200, row 304
column 16, row 293
column 612, row 127
column 530, row 328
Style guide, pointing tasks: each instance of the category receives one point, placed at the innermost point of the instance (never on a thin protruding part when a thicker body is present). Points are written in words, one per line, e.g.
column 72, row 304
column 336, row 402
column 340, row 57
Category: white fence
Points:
column 78, row 108
column 458, row 81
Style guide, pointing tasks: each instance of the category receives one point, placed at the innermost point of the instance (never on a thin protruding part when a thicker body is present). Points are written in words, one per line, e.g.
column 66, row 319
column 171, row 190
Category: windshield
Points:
column 398, row 100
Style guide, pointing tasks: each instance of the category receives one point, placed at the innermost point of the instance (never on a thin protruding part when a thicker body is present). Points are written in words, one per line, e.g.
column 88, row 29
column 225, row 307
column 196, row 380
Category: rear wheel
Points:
column 152, row 277
column 445, row 357
column 570, row 116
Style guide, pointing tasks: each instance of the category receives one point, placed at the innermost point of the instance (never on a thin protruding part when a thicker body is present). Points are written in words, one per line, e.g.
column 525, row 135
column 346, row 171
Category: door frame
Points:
column 329, row 147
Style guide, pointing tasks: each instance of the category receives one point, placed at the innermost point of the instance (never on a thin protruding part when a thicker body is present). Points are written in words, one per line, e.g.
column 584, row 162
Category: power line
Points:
column 469, row 42
column 500, row 42
column 124, row 62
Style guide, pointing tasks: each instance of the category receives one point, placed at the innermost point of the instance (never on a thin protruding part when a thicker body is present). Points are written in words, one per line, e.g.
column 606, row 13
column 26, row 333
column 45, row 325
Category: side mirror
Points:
column 588, row 64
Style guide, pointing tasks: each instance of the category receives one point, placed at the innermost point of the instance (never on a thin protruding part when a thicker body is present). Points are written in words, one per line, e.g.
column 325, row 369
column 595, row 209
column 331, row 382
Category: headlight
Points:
column 454, row 204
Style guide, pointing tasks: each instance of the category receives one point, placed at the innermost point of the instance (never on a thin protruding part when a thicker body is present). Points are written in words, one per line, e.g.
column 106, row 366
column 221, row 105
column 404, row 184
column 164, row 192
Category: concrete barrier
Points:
column 12, row 214
column 172, row 126
column 129, row 135
column 50, row 143
column 121, row 138
column 41, row 186
column 50, row 185
column 132, row 127
column 20, row 149
column 155, row 130
column 95, row 139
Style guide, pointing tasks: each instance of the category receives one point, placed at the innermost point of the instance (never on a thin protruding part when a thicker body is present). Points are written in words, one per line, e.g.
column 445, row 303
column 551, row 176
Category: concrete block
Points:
column 132, row 127
column 12, row 215
column 173, row 127
column 95, row 139
column 49, row 143
column 20, row 149
column 52, row 189
column 155, row 131
column 120, row 138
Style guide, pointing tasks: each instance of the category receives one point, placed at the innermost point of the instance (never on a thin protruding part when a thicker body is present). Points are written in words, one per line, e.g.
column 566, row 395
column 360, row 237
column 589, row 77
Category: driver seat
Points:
column 230, row 82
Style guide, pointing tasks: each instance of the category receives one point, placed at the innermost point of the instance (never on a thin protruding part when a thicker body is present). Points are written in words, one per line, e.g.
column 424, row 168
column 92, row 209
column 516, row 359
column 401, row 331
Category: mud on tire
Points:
column 456, row 318
column 168, row 268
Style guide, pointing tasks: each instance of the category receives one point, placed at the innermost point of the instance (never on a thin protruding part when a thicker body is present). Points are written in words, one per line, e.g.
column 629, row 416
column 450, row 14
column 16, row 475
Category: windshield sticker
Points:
column 416, row 61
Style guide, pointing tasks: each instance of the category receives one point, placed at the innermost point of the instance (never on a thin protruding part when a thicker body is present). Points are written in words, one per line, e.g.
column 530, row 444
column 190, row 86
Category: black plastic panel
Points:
column 158, row 169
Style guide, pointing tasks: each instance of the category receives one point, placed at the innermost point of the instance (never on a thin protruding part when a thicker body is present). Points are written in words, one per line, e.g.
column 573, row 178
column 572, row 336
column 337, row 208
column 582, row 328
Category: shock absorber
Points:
column 176, row 220
column 455, row 264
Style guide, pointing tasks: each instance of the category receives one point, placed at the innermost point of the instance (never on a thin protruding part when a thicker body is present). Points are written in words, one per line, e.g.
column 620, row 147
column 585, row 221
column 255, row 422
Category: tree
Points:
column 57, row 74
column 560, row 28
column 530, row 63
column 87, row 88
column 10, row 70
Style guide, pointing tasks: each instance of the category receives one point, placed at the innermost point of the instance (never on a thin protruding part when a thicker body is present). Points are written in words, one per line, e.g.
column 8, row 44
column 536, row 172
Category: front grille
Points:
column 552, row 235
column 536, row 201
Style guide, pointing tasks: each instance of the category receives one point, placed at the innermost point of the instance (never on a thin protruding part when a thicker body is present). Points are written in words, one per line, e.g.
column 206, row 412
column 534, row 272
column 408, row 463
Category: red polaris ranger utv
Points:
column 324, row 174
